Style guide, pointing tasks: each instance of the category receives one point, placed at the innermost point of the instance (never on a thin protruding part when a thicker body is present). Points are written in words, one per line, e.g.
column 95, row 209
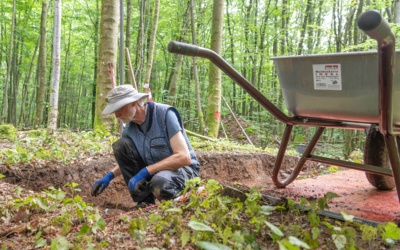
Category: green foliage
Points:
column 356, row 156
column 67, row 210
column 221, row 145
column 240, row 137
column 37, row 146
column 299, row 139
column 207, row 219
column 8, row 131
column 249, row 130
column 389, row 231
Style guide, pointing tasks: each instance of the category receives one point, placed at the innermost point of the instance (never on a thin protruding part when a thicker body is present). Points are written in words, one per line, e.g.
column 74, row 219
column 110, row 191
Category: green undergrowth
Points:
column 221, row 145
column 207, row 219
column 36, row 147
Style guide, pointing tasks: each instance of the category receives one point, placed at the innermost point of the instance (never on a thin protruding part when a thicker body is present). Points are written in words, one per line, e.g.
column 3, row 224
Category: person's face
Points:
column 126, row 113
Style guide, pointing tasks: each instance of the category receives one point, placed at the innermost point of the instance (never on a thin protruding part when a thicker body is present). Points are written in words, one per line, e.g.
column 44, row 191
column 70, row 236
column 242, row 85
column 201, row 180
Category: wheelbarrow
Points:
column 354, row 91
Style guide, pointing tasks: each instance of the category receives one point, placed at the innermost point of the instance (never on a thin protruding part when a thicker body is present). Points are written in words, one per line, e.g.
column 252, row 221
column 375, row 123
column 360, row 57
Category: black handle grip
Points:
column 183, row 48
column 374, row 25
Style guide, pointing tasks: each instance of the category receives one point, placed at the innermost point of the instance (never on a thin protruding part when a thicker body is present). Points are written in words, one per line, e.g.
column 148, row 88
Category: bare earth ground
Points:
column 226, row 167
column 239, row 169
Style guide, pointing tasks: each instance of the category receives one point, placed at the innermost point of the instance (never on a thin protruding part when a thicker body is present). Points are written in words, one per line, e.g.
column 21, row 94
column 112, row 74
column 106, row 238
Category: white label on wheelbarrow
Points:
column 327, row 76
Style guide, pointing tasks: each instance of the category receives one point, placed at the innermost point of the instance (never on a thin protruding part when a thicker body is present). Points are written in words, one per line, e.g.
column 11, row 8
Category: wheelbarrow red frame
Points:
column 373, row 24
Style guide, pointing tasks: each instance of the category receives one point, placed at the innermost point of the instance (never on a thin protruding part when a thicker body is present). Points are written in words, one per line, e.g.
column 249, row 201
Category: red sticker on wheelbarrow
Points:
column 327, row 76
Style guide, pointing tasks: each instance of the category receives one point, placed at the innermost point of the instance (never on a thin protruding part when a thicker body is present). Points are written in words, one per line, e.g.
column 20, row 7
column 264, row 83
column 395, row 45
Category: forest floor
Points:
column 241, row 170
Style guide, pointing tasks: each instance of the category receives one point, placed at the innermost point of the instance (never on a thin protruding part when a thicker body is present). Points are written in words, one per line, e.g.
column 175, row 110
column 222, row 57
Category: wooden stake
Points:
column 128, row 58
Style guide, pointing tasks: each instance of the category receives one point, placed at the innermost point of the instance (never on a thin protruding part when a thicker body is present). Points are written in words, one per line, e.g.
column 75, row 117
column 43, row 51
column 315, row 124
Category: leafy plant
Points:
column 8, row 131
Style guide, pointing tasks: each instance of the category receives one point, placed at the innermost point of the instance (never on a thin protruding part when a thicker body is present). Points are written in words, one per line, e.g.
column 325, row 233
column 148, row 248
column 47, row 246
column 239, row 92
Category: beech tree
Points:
column 152, row 41
column 214, row 88
column 41, row 73
column 55, row 74
column 108, row 51
column 9, row 66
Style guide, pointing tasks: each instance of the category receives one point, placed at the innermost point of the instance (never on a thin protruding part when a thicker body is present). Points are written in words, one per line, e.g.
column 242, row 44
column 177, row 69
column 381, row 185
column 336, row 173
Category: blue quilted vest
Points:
column 154, row 146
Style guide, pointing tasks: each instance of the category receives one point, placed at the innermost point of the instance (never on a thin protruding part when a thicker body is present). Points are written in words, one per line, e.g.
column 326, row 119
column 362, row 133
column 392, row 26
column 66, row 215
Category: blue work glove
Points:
column 136, row 181
column 101, row 184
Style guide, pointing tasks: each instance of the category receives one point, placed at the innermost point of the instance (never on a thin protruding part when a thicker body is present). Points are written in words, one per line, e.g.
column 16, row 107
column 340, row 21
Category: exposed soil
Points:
column 226, row 167
column 238, row 169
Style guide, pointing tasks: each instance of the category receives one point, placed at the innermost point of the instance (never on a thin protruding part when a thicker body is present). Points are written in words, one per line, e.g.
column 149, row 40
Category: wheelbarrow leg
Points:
column 306, row 155
column 394, row 158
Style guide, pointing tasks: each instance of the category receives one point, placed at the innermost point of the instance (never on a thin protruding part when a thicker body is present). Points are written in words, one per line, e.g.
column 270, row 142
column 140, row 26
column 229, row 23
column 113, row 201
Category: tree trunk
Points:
column 3, row 117
column 41, row 76
column 19, row 41
column 200, row 114
column 397, row 11
column 140, row 42
column 173, row 81
column 355, row 26
column 128, row 34
column 24, row 108
column 304, row 27
column 55, row 74
column 95, row 61
column 214, row 89
column 232, row 52
column 107, row 54
column 152, row 41
column 64, row 105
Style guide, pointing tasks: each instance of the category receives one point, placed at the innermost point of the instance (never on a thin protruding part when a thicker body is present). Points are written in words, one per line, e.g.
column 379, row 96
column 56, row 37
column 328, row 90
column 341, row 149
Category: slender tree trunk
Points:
column 64, row 105
column 230, row 27
column 355, row 26
column 397, row 11
column 319, row 21
column 41, row 76
column 174, row 80
column 261, row 53
column 214, row 89
column 95, row 61
column 304, row 27
column 200, row 114
column 3, row 117
column 55, row 75
column 24, row 107
column 140, row 42
column 128, row 34
column 172, row 84
column 107, row 54
column 152, row 42
column 12, row 110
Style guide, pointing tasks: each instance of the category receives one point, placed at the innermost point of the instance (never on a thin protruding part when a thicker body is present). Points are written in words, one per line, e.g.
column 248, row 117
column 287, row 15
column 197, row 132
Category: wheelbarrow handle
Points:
column 217, row 60
column 374, row 25
column 183, row 48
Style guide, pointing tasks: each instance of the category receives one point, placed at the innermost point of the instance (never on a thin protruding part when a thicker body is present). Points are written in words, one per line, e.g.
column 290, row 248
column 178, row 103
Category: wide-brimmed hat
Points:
column 120, row 96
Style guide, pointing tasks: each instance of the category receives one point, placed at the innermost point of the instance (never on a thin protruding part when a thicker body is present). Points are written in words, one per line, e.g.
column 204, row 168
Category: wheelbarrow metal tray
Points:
column 340, row 86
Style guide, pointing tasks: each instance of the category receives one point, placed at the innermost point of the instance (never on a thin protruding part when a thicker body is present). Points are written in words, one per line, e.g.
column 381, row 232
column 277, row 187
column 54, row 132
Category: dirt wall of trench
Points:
column 226, row 167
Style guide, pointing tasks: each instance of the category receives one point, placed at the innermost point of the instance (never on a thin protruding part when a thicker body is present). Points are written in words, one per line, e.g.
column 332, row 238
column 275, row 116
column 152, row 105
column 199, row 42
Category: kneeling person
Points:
column 153, row 154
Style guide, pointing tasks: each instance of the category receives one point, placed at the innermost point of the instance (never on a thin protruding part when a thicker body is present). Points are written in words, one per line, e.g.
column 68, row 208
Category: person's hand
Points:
column 138, row 180
column 101, row 184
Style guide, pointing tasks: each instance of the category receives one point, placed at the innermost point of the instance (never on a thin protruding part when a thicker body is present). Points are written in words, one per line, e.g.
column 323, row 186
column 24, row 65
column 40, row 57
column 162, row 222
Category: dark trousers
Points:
column 163, row 185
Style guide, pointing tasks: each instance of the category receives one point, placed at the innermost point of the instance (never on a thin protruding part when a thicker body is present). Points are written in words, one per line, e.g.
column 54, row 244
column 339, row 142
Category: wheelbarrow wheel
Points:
column 375, row 153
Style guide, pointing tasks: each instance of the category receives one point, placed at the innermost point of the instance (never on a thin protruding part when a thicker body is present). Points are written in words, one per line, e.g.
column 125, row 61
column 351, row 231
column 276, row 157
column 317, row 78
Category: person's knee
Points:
column 164, row 188
column 120, row 145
